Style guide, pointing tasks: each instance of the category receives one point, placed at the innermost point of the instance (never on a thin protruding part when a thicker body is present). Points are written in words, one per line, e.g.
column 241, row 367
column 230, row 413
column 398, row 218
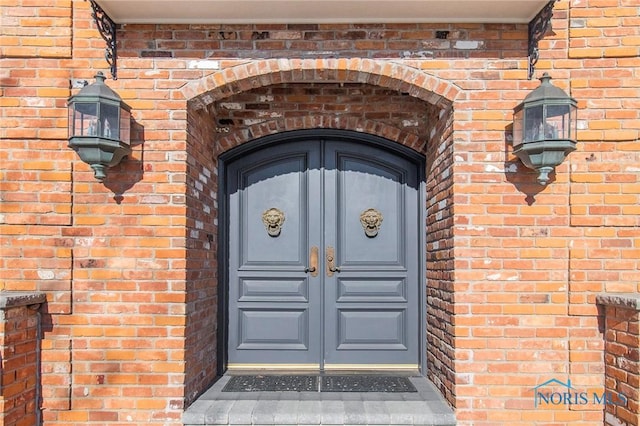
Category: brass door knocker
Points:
column 371, row 219
column 273, row 219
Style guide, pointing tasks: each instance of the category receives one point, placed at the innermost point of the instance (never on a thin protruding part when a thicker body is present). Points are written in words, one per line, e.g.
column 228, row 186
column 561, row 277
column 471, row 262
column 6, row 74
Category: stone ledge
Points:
column 13, row 299
column 620, row 300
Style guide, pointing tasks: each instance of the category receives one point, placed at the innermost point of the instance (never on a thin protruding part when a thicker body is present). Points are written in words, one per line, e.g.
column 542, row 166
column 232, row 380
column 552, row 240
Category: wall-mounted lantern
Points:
column 99, row 126
column 544, row 128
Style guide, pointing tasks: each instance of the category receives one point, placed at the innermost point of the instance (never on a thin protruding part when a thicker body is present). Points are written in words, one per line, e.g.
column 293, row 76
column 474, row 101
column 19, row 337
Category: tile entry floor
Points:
column 425, row 407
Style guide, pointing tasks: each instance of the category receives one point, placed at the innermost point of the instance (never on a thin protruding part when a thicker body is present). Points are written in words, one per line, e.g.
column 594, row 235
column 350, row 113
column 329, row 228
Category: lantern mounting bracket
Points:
column 538, row 26
column 107, row 29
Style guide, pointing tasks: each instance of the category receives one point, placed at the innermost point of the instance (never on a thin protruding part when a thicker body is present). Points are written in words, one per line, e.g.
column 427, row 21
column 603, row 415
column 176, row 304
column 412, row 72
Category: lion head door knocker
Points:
column 371, row 219
column 273, row 219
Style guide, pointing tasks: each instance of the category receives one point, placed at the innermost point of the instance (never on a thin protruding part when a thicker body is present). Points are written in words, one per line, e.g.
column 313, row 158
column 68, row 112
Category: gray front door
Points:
column 323, row 259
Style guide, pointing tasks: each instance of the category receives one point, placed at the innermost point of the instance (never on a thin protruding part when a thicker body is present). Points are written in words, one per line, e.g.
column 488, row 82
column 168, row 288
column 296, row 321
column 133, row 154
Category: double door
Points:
column 323, row 262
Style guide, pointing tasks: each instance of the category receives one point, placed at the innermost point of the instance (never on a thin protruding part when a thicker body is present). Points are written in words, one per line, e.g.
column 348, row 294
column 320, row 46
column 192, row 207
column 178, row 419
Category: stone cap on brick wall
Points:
column 620, row 300
column 12, row 299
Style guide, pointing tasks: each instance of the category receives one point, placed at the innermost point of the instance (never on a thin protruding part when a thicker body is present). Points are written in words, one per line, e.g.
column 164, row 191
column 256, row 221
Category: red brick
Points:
column 490, row 268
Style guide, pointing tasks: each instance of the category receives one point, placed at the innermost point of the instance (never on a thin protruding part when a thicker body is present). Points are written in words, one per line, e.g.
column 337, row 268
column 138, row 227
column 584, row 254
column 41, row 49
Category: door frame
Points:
column 223, row 220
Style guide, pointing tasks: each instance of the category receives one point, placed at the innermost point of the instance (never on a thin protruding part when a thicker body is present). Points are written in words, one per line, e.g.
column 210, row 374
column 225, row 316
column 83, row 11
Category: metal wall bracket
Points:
column 538, row 27
column 107, row 29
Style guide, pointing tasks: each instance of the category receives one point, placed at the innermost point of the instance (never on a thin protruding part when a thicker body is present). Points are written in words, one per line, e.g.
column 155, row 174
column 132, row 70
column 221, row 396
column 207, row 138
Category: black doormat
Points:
column 268, row 383
column 365, row 383
column 298, row 383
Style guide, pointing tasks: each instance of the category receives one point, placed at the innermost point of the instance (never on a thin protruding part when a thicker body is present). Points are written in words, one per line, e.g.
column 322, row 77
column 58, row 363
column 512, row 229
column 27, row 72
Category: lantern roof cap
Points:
column 547, row 91
column 97, row 91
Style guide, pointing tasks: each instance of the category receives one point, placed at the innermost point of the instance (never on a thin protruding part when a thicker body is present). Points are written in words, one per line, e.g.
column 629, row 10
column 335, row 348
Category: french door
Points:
column 323, row 256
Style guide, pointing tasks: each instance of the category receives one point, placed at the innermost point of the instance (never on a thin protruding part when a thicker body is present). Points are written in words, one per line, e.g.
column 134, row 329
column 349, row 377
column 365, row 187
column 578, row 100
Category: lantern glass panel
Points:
column 573, row 123
column 517, row 128
column 109, row 120
column 71, row 122
column 557, row 122
column 533, row 124
column 84, row 120
column 125, row 126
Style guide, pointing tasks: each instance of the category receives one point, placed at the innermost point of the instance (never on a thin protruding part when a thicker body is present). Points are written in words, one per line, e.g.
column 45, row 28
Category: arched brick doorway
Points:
column 241, row 104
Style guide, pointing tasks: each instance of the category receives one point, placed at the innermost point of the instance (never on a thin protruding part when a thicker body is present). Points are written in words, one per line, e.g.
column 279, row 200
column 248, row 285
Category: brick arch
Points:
column 259, row 73
column 205, row 144
column 324, row 121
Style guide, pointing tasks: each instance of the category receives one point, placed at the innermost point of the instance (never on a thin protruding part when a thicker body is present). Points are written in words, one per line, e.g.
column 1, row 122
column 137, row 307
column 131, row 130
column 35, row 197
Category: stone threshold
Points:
column 426, row 407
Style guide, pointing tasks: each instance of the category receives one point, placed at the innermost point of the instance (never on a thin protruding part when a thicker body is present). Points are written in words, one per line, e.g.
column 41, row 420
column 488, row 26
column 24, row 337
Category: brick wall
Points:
column 398, row 41
column 440, row 261
column 202, row 251
column 603, row 255
column 129, row 266
column 19, row 355
column 622, row 357
column 36, row 29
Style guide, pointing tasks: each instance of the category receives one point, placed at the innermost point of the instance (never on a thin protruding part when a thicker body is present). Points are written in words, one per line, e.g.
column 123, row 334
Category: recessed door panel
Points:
column 275, row 328
column 364, row 187
column 371, row 329
column 294, row 289
column 279, row 186
column 375, row 289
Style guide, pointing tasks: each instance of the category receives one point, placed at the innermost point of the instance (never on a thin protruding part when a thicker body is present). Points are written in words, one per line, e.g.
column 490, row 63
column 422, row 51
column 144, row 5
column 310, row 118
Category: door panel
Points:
column 280, row 185
column 363, row 186
column 389, row 289
column 372, row 322
column 285, row 289
column 371, row 329
column 274, row 313
column 363, row 313
column 278, row 328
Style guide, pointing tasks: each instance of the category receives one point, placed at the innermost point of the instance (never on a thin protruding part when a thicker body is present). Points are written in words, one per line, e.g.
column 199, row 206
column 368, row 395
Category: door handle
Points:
column 313, row 262
column 331, row 266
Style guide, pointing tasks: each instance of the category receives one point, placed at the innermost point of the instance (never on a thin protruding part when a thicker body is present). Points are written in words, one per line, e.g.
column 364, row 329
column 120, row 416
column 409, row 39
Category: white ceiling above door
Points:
column 320, row 11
